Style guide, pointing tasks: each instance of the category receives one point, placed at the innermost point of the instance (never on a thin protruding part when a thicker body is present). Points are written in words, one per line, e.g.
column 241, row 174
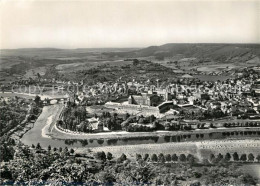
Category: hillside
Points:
column 213, row 52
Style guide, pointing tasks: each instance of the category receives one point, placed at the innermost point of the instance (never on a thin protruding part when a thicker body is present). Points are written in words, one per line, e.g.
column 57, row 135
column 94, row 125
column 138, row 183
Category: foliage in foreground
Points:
column 35, row 165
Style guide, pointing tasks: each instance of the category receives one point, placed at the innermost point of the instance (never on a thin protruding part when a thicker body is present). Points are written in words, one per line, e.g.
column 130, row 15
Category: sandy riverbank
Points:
column 62, row 134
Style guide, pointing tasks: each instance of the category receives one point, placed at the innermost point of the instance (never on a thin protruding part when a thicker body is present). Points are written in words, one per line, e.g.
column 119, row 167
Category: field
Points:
column 204, row 77
column 199, row 149
column 70, row 67
column 32, row 73
column 182, row 58
column 252, row 169
column 26, row 63
column 48, row 94
column 12, row 95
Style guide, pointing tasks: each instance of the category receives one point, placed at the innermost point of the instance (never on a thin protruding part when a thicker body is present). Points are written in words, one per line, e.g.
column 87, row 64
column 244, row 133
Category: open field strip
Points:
column 201, row 149
column 31, row 96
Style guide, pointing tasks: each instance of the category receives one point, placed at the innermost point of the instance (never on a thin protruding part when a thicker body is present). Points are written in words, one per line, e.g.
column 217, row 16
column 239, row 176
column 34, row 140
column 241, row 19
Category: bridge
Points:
column 51, row 101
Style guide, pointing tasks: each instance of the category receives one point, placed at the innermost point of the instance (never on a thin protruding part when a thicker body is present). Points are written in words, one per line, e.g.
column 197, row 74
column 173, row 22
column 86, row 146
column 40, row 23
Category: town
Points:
column 130, row 92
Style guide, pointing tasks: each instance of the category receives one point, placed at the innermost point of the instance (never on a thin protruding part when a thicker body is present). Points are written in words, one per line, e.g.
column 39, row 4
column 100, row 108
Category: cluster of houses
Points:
column 234, row 97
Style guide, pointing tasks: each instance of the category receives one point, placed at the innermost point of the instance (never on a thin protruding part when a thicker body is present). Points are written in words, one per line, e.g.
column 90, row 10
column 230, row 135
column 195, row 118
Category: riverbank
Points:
column 26, row 125
column 51, row 122
column 40, row 134
column 58, row 133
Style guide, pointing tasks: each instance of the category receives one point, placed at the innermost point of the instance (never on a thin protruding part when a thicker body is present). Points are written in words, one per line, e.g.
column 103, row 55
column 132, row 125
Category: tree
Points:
column 109, row 156
column 6, row 173
column 54, row 149
column 138, row 157
column 191, row 159
column 243, row 157
column 168, row 158
column 60, row 149
column 154, row 158
column 72, row 151
column 38, row 146
column 152, row 118
column 101, row 156
column 106, row 177
column 135, row 62
column 33, row 146
column 219, row 157
column 235, row 156
column 66, row 149
column 182, row 158
column 37, row 100
column 161, row 158
column 7, row 152
column 121, row 158
column 251, row 157
column 258, row 157
column 146, row 156
column 227, row 157
column 49, row 148
column 174, row 157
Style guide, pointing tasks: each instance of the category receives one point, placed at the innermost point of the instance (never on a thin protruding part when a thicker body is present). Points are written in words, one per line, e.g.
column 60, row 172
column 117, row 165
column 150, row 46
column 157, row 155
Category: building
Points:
column 144, row 99
column 95, row 124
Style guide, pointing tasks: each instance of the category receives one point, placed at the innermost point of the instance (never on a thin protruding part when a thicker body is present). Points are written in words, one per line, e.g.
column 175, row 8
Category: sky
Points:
column 104, row 24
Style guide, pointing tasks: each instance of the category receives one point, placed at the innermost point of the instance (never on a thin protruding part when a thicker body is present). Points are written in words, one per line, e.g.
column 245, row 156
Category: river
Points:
column 35, row 135
column 134, row 145
column 46, row 134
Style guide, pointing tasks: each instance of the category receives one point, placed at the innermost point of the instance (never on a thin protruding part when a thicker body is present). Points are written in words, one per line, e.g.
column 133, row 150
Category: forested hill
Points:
column 216, row 52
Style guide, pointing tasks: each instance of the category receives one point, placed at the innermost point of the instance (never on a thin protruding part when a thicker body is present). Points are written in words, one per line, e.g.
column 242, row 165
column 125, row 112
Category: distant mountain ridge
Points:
column 45, row 52
column 219, row 52
column 215, row 51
